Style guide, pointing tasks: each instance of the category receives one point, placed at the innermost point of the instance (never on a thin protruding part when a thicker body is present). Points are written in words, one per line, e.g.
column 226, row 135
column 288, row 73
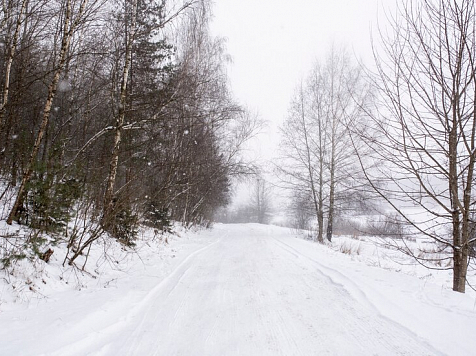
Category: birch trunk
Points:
column 8, row 66
column 108, row 205
column 330, row 217
column 316, row 201
column 68, row 30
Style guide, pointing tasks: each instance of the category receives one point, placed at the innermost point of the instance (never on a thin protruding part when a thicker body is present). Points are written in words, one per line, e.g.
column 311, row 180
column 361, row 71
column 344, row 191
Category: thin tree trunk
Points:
column 330, row 217
column 68, row 31
column 8, row 67
column 458, row 263
column 258, row 201
column 108, row 205
column 462, row 255
column 332, row 168
column 320, row 211
column 315, row 200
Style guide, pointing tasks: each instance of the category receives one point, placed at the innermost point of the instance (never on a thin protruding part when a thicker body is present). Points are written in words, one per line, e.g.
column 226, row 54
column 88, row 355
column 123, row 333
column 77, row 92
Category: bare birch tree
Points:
column 344, row 97
column 12, row 43
column 303, row 143
column 72, row 16
column 318, row 156
column 130, row 23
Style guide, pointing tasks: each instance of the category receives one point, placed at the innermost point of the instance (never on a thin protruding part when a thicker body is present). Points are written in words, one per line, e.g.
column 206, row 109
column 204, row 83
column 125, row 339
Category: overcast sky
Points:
column 273, row 44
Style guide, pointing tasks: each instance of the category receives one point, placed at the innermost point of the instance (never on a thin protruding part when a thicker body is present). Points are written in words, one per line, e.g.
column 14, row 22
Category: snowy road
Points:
column 245, row 290
column 254, row 294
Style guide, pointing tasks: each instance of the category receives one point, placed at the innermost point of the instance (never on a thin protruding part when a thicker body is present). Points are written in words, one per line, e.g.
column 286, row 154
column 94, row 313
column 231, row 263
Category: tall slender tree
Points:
column 70, row 21
column 317, row 154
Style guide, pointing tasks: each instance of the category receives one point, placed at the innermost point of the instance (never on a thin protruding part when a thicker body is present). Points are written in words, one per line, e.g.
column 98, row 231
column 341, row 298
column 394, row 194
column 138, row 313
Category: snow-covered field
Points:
column 235, row 290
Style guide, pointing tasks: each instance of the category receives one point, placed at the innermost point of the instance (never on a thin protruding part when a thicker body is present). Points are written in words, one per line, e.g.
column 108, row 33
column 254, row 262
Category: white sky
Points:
column 273, row 44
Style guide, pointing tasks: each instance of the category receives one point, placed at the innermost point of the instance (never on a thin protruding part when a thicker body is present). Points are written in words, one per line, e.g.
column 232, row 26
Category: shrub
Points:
column 48, row 202
column 125, row 226
column 390, row 226
column 158, row 218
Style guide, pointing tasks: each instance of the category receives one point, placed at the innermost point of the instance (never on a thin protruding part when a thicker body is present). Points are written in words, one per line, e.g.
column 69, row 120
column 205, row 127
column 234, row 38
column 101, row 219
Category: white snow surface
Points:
column 235, row 290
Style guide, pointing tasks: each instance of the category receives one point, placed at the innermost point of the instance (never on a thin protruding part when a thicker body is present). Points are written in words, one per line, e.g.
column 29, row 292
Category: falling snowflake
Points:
column 64, row 85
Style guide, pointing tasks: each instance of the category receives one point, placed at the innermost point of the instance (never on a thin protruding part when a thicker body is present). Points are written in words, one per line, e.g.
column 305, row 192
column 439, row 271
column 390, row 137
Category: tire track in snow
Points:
column 343, row 283
column 102, row 340
column 136, row 317
column 145, row 305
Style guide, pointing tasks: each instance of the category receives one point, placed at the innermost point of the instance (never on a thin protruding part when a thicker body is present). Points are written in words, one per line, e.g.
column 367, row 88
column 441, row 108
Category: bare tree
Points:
column 344, row 97
column 426, row 133
column 301, row 210
column 260, row 200
column 12, row 44
column 303, row 149
column 72, row 18
column 130, row 16
column 316, row 152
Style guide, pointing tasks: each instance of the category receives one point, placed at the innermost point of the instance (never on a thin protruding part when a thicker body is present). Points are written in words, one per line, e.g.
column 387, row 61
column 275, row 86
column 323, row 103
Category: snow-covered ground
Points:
column 235, row 290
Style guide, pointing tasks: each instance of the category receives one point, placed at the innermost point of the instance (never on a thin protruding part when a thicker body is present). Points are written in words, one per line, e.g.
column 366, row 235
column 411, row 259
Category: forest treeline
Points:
column 114, row 112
